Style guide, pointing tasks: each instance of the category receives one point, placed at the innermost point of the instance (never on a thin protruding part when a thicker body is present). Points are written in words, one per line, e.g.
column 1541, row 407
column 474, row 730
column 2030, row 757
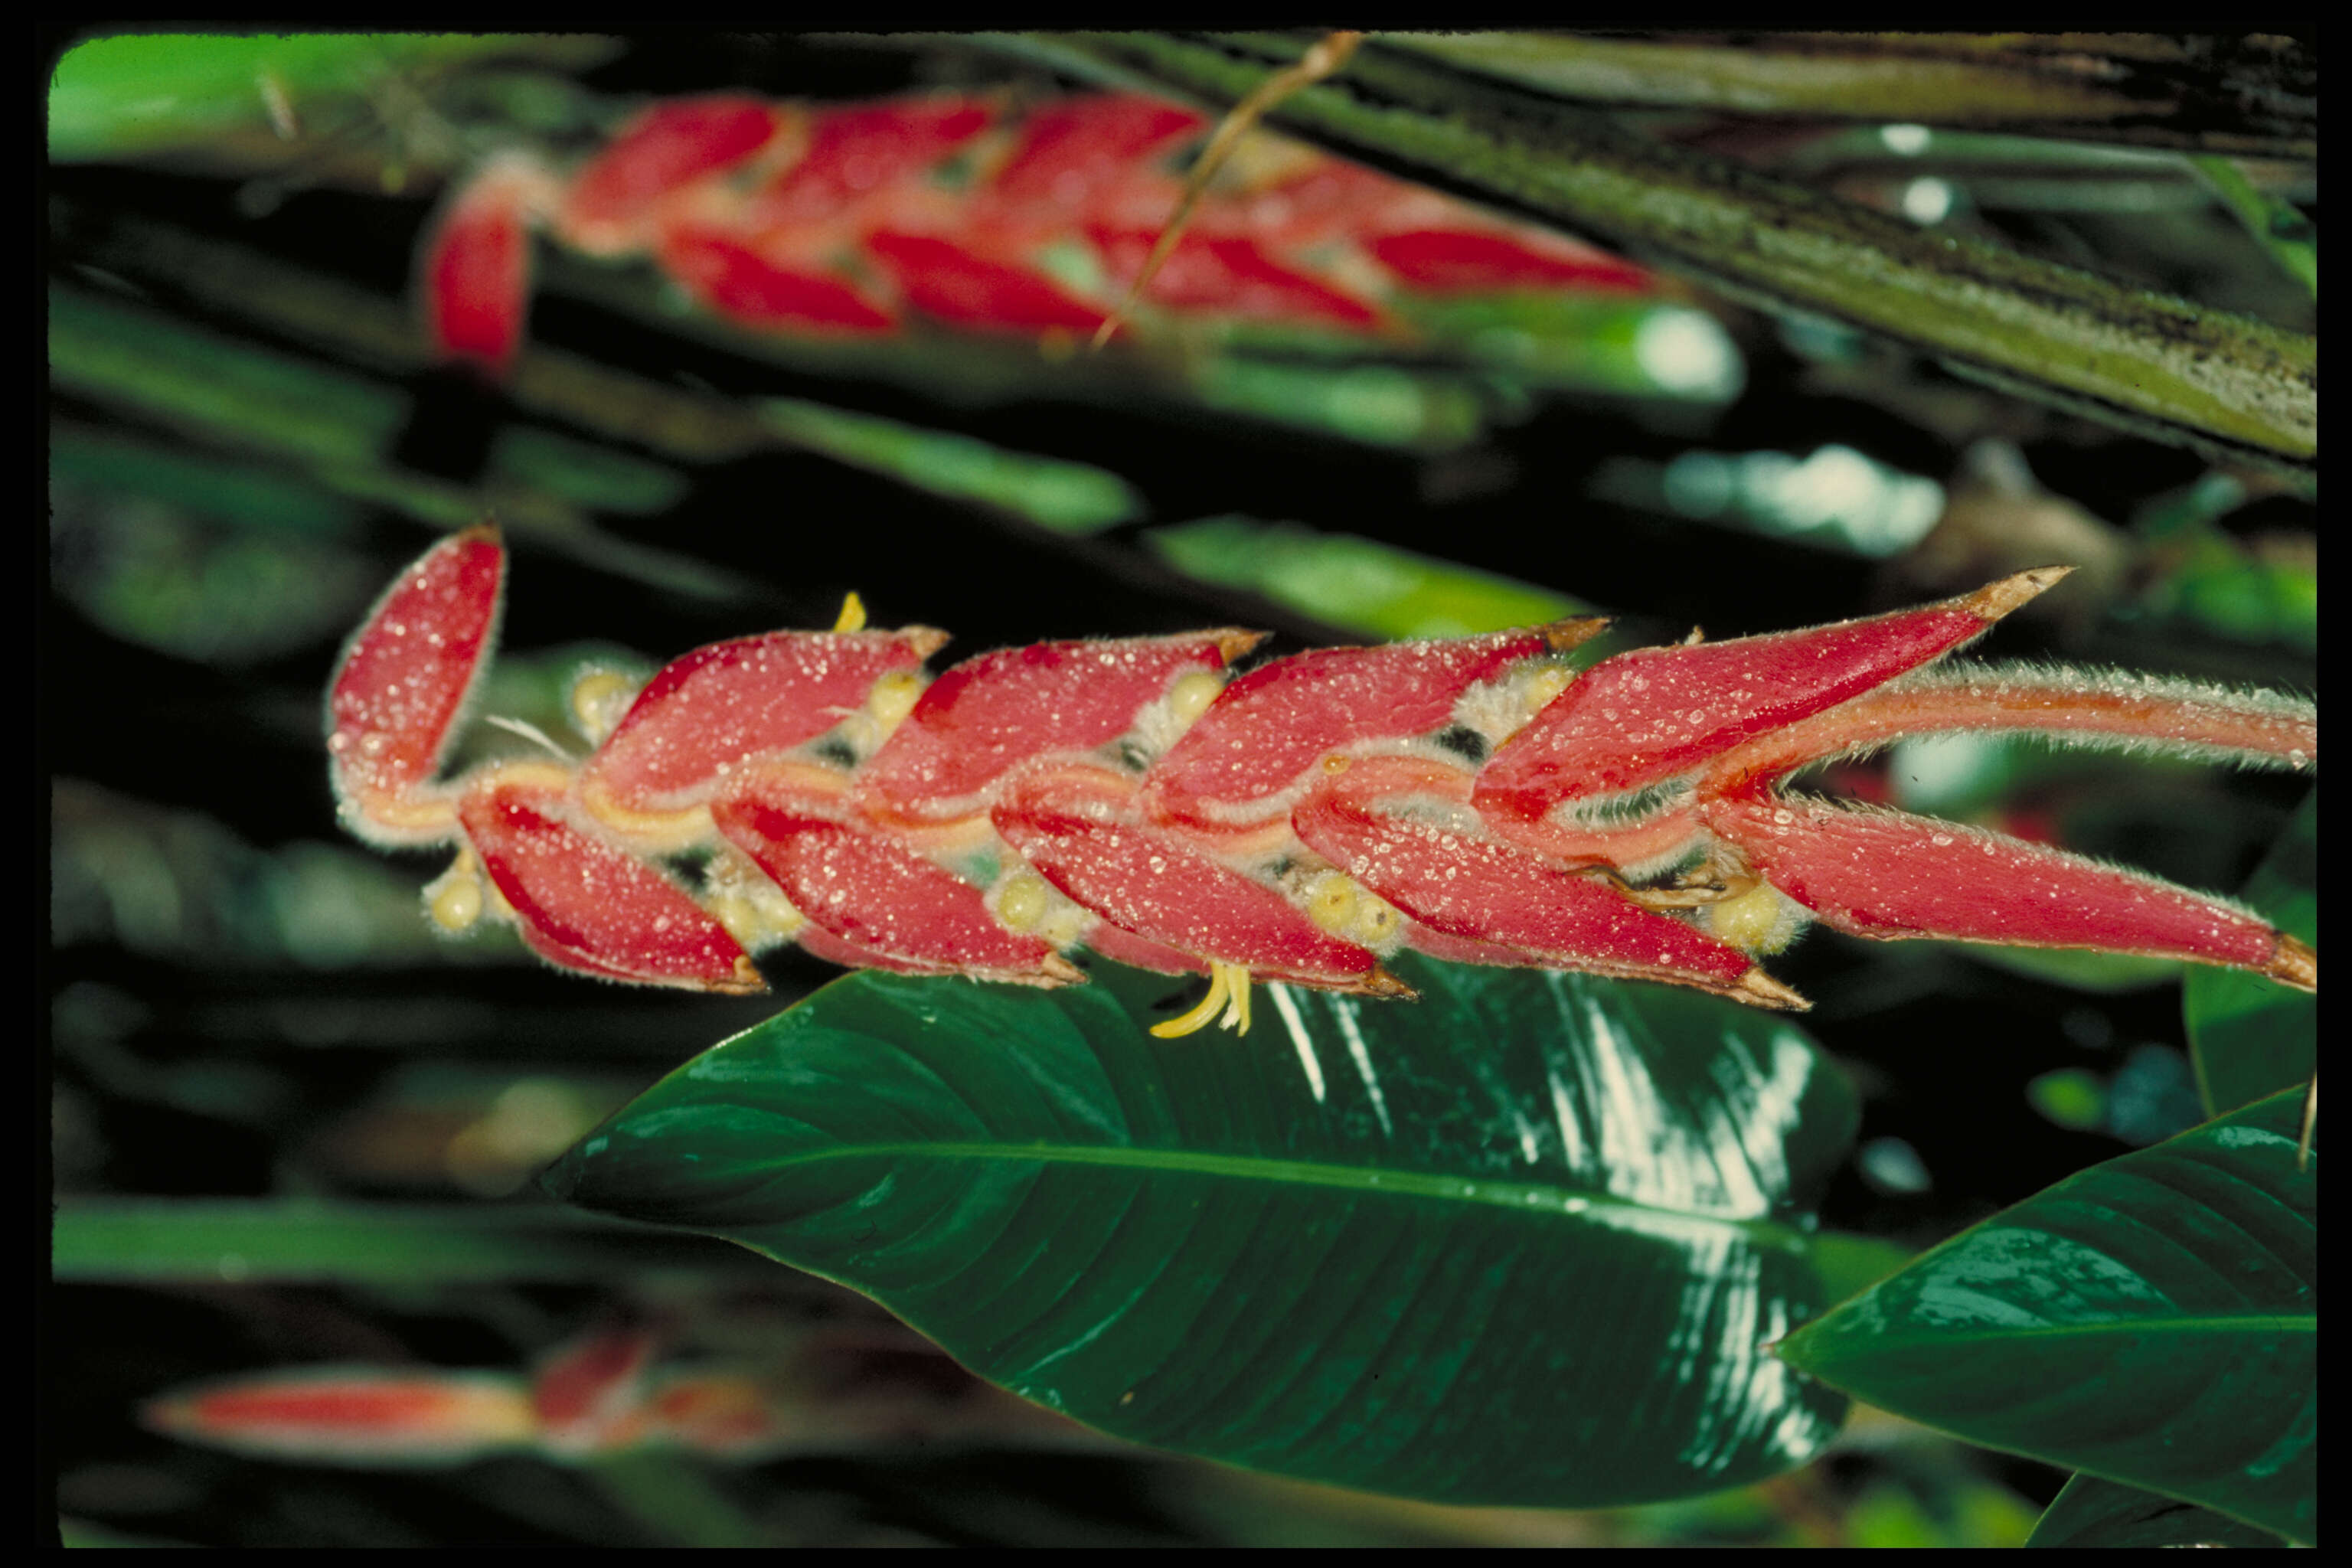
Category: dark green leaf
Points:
column 2093, row 1512
column 1519, row 1243
column 2153, row 1321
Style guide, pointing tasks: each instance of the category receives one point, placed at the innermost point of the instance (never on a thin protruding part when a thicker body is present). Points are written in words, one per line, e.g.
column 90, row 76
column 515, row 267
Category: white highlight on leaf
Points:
column 1297, row 1025
column 1344, row 1009
column 1563, row 1110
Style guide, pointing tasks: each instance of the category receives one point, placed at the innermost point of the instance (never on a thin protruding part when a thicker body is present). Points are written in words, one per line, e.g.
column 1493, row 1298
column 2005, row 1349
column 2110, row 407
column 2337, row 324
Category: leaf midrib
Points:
column 1520, row 1198
column 2252, row 1323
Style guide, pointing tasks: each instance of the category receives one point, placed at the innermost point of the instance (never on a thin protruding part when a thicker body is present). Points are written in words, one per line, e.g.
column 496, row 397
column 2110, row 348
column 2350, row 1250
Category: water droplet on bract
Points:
column 374, row 744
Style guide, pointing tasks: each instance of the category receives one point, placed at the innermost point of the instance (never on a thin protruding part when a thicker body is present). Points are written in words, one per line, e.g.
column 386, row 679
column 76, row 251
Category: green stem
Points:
column 236, row 1241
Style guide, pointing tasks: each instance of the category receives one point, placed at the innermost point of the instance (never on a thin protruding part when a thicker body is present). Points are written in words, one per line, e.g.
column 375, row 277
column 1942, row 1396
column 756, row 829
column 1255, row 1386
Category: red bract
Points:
column 1475, row 799
column 843, row 220
column 362, row 1416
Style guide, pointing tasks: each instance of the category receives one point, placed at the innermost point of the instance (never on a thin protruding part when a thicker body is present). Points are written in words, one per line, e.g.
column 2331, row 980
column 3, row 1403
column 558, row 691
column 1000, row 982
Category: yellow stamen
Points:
column 1237, row 1010
column 1198, row 1018
column 853, row 615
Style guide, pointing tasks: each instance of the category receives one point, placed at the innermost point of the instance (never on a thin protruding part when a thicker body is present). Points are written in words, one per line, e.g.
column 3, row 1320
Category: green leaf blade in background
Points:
column 2152, row 1321
column 2248, row 1036
column 1520, row 1243
column 1359, row 585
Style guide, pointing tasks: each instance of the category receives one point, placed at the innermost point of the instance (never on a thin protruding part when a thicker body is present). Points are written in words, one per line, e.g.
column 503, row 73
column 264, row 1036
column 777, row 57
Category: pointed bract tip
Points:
column 1233, row 642
column 483, row 532
column 2295, row 962
column 1562, row 635
column 925, row 640
column 1056, row 969
column 1759, row 989
column 1994, row 600
column 747, row 981
column 1380, row 982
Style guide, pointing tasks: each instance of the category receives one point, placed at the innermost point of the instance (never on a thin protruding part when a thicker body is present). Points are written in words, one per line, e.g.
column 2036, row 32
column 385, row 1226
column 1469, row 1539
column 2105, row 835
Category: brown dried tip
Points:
column 2295, row 962
column 1995, row 600
column 1233, row 642
column 486, row 531
column 1562, row 635
column 1056, row 969
column 1380, row 982
column 1759, row 989
column 747, row 981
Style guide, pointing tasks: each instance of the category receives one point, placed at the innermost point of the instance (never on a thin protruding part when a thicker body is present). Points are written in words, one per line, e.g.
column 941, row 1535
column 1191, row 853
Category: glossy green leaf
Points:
column 2153, row 1319
column 2250, row 1037
column 1520, row 1243
column 2089, row 1511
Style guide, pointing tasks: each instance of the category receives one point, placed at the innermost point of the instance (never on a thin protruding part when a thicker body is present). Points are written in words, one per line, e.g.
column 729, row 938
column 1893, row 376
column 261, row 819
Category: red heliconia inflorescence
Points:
column 843, row 220
column 1473, row 798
